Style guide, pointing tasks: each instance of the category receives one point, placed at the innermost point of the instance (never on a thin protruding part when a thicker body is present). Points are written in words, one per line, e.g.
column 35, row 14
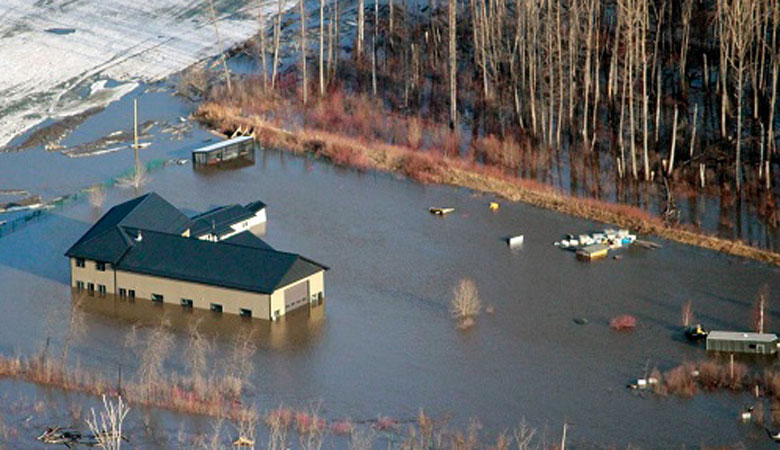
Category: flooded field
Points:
column 384, row 342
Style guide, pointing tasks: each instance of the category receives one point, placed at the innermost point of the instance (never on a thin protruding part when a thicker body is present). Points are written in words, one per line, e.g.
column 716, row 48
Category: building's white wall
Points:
column 202, row 295
column 90, row 274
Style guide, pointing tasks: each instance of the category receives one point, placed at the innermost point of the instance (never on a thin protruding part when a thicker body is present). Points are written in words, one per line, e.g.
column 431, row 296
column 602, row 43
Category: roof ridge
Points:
column 225, row 242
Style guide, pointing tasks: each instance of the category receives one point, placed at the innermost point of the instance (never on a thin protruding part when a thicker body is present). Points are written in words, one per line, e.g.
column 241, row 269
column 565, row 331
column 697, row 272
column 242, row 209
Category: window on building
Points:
column 157, row 298
column 122, row 293
column 100, row 266
column 245, row 312
column 80, row 285
column 80, row 262
column 131, row 293
column 91, row 288
column 216, row 307
column 102, row 290
column 187, row 303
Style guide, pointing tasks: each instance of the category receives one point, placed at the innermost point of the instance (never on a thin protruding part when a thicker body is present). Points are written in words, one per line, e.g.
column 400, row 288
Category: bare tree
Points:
column 107, row 426
column 465, row 303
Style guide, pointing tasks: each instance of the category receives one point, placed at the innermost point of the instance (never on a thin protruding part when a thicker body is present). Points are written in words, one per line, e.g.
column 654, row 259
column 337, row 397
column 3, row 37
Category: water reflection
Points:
column 296, row 330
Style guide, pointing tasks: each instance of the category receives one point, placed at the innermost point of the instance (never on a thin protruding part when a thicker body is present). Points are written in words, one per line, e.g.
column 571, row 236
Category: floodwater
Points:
column 383, row 343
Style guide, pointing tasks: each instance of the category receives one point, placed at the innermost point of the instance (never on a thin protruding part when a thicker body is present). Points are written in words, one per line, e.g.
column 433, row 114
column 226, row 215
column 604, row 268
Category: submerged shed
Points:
column 214, row 154
column 739, row 342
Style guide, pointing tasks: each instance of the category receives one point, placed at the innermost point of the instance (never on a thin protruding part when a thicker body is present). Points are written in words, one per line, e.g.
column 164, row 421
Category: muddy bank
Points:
column 347, row 151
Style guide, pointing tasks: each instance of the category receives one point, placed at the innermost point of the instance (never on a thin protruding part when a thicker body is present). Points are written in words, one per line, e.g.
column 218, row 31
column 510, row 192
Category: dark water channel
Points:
column 384, row 342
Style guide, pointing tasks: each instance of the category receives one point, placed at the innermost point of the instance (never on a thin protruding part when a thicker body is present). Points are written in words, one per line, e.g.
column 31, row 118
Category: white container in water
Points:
column 516, row 241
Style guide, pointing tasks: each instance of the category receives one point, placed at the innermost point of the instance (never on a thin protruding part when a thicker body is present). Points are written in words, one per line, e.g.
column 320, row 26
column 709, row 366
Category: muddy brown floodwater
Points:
column 385, row 344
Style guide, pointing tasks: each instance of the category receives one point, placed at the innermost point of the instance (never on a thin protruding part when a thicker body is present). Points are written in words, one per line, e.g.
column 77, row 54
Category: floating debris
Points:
column 597, row 245
column 57, row 435
column 243, row 441
column 647, row 244
column 440, row 211
column 580, row 320
column 494, row 206
column 515, row 241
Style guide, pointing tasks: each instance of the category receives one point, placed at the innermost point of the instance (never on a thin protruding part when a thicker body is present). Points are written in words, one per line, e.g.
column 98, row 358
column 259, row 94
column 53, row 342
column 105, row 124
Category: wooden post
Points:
column 731, row 367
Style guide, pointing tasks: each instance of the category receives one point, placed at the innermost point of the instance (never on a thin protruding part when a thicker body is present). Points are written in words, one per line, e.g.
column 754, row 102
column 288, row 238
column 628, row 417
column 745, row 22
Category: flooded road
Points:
column 384, row 342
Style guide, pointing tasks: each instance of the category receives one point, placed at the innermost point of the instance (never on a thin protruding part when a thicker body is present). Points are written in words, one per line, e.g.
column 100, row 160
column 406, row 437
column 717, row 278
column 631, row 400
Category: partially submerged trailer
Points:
column 241, row 147
column 739, row 342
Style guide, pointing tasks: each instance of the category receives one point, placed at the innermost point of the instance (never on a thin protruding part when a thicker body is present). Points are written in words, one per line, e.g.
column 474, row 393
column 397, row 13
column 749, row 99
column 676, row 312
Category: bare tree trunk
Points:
column 303, row 51
column 261, row 23
column 277, row 39
column 674, row 142
column 693, row 132
column 219, row 44
column 453, row 23
column 374, row 47
column 361, row 25
column 644, row 20
column 322, row 48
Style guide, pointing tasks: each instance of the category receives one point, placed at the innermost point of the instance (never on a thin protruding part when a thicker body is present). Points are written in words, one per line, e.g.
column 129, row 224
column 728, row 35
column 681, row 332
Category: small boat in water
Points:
column 440, row 211
column 696, row 333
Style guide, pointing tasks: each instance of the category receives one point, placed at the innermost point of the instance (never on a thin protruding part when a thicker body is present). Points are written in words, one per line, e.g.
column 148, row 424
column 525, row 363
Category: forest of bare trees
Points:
column 632, row 94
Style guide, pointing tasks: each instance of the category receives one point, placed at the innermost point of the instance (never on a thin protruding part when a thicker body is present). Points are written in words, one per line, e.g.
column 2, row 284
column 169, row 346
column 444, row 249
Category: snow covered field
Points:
column 60, row 72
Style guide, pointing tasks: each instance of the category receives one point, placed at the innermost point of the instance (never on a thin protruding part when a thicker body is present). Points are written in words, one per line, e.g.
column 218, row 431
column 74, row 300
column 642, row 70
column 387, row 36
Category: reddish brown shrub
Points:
column 679, row 380
column 623, row 322
column 771, row 382
column 711, row 375
column 421, row 167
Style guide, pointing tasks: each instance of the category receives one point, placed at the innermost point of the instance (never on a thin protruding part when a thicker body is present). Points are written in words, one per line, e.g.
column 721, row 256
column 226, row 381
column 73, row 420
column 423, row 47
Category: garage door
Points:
column 296, row 295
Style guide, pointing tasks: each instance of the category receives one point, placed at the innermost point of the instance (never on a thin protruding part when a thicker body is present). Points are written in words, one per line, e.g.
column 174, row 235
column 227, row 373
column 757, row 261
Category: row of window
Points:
column 157, row 298
column 99, row 266
column 101, row 288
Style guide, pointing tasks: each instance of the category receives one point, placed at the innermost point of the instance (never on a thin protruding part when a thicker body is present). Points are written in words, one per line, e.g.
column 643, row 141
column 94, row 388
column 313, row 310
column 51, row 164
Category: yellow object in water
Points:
column 494, row 206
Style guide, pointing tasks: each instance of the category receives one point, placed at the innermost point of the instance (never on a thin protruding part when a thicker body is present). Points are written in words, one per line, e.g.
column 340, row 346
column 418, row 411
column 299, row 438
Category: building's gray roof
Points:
column 221, row 144
column 106, row 240
column 214, row 263
column 242, row 262
column 247, row 239
column 218, row 220
column 255, row 206
column 742, row 337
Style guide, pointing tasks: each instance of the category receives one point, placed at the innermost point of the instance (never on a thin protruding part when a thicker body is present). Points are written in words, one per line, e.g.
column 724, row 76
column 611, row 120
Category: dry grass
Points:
column 363, row 134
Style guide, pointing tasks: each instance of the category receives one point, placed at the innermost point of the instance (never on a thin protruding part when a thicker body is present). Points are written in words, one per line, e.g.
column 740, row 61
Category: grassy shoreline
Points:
column 432, row 168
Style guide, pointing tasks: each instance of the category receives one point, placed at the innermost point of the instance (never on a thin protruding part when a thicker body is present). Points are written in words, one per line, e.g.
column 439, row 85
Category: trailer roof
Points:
column 222, row 144
column 742, row 337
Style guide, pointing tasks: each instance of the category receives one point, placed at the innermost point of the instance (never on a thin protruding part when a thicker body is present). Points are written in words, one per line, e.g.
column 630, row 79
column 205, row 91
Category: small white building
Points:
column 227, row 221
